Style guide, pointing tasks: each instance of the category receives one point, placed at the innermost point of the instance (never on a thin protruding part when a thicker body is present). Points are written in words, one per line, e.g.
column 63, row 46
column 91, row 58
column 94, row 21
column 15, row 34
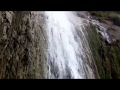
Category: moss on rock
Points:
column 106, row 56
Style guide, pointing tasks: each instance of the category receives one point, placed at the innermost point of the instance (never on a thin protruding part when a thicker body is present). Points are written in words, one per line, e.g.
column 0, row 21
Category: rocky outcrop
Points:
column 21, row 44
column 106, row 55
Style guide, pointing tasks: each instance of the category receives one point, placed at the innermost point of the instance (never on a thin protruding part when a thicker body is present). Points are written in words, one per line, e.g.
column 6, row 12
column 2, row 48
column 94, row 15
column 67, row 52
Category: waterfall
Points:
column 67, row 54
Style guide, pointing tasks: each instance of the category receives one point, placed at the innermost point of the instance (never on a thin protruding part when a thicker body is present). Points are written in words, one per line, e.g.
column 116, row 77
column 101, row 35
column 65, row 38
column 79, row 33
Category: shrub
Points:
column 115, row 18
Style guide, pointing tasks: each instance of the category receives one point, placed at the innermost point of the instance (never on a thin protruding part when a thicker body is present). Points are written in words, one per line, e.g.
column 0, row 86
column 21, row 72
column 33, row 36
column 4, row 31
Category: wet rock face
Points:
column 21, row 45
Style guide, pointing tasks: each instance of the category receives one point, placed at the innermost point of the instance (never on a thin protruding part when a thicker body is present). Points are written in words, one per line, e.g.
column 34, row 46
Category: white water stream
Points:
column 66, row 56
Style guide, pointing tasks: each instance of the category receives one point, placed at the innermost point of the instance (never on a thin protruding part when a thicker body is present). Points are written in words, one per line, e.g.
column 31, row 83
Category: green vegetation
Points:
column 107, row 15
column 101, row 15
column 107, row 57
column 115, row 18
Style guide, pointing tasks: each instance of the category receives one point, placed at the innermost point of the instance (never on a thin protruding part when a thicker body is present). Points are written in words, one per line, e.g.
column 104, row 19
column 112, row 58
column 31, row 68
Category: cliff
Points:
column 21, row 45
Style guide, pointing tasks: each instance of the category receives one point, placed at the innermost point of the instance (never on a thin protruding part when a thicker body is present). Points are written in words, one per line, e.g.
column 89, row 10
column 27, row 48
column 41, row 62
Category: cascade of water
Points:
column 66, row 56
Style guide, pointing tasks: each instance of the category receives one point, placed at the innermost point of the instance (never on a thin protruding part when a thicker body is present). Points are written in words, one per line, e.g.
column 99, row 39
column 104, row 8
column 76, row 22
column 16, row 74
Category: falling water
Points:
column 66, row 57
